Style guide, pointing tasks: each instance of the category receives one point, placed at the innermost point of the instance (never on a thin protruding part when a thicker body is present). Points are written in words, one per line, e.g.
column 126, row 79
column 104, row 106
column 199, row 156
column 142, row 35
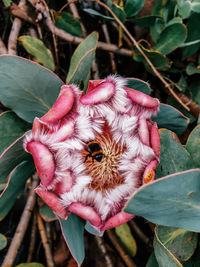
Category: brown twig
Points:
column 102, row 248
column 126, row 39
column 194, row 107
column 155, row 71
column 73, row 39
column 41, row 228
column 77, row 40
column 22, row 226
column 21, row 12
column 16, row 26
column 112, row 57
column 128, row 261
column 145, row 239
column 32, row 240
column 75, row 13
column 3, row 49
column 33, row 32
column 74, row 10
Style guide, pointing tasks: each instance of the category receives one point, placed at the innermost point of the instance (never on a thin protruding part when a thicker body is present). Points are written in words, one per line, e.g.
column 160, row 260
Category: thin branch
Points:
column 129, row 262
column 45, row 242
column 194, row 107
column 77, row 40
column 22, row 226
column 3, row 49
column 16, row 26
column 32, row 239
column 20, row 12
column 112, row 57
column 75, row 13
column 102, row 248
column 155, row 71
column 145, row 239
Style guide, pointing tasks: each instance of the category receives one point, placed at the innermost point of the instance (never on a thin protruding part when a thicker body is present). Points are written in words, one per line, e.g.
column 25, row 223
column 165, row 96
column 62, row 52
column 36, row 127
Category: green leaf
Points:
column 98, row 14
column 156, row 29
column 159, row 60
column 132, row 7
column 173, row 21
column 195, row 90
column 11, row 128
column 193, row 145
column 181, row 243
column 7, row 3
column 171, row 101
column 194, row 261
column 92, row 230
column 171, row 118
column 15, row 186
column 195, row 6
column 26, row 87
column 31, row 264
column 37, row 48
column 163, row 256
column 171, row 201
column 173, row 157
column 171, row 38
column 47, row 213
column 152, row 262
column 11, row 157
column 193, row 35
column 73, row 231
column 68, row 23
column 139, row 85
column 117, row 10
column 192, row 69
column 124, row 234
column 81, row 61
column 3, row 241
column 146, row 21
column 184, row 8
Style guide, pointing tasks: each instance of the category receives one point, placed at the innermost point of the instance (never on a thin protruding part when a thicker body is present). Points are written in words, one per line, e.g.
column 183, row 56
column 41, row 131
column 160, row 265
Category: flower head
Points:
column 93, row 151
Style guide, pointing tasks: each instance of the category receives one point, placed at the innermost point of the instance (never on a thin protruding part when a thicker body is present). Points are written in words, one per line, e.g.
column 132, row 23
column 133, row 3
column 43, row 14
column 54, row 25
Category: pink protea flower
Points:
column 93, row 151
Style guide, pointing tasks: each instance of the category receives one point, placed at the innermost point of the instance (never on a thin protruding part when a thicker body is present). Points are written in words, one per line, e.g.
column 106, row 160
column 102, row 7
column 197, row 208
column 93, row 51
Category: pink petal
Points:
column 53, row 202
column 86, row 213
column 44, row 161
column 102, row 93
column 36, row 125
column 149, row 173
column 143, row 131
column 142, row 99
column 62, row 105
column 92, row 84
column 65, row 184
column 117, row 220
column 155, row 139
column 65, row 131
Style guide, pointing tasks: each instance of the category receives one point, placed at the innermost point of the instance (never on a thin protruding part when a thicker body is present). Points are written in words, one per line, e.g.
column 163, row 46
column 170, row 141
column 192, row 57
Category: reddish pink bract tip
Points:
column 53, row 202
column 155, row 139
column 86, row 213
column 62, row 105
column 102, row 93
column 118, row 219
column 142, row 99
column 143, row 131
column 44, row 161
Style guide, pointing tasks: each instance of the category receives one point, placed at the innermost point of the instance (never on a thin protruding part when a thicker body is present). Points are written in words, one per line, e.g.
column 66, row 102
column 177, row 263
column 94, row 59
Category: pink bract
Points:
column 93, row 151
